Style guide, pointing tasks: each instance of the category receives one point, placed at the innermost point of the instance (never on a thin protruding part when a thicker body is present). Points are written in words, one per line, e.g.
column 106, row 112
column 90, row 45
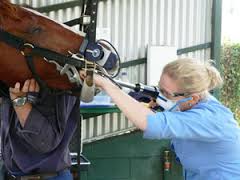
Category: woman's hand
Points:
column 82, row 74
column 153, row 104
column 30, row 85
column 101, row 81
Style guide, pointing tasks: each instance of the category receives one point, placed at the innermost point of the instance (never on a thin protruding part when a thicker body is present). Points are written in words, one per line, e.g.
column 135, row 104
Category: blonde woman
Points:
column 204, row 133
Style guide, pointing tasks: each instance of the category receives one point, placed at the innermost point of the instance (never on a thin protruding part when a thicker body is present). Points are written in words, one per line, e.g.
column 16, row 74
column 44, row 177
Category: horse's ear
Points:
column 2, row 2
column 7, row 9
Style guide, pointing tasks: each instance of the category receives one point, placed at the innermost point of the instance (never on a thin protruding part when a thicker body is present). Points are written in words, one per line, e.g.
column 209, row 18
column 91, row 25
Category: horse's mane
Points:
column 8, row 9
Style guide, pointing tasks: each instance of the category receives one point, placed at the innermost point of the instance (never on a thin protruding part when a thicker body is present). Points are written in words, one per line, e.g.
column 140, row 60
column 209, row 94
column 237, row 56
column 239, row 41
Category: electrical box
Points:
column 157, row 58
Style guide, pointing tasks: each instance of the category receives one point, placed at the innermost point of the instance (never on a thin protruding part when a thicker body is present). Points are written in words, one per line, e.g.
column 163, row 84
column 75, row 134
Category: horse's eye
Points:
column 35, row 30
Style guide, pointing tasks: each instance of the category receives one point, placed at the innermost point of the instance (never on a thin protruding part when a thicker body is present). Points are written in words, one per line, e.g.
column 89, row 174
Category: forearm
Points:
column 135, row 112
column 23, row 112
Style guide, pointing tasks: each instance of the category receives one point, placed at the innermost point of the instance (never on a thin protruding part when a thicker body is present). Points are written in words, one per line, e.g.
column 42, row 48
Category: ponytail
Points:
column 215, row 79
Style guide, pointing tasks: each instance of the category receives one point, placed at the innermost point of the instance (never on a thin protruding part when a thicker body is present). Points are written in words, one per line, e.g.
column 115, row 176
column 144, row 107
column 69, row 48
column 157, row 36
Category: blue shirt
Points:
column 42, row 144
column 206, row 139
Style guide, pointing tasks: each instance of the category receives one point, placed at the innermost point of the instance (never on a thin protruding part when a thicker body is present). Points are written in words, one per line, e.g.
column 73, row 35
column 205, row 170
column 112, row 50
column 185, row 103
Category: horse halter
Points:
column 92, row 57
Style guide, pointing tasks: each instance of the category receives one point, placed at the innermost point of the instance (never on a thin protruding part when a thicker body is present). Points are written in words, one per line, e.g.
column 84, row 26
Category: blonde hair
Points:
column 194, row 76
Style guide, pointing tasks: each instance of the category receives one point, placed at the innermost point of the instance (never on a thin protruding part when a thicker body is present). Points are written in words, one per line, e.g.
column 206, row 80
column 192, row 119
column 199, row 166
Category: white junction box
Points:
column 157, row 58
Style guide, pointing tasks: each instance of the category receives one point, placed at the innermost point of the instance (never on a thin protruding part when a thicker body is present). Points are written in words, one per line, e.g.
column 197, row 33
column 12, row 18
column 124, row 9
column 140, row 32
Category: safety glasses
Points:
column 175, row 94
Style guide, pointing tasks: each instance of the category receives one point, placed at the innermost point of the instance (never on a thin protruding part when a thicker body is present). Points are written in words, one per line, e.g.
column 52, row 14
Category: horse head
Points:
column 39, row 30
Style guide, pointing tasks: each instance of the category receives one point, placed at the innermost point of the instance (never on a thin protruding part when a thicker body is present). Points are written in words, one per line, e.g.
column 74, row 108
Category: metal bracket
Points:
column 70, row 70
column 85, row 20
column 91, row 10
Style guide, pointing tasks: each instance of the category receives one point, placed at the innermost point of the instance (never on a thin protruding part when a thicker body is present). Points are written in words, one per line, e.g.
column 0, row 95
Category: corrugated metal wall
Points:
column 133, row 26
column 136, row 24
column 39, row 3
column 104, row 126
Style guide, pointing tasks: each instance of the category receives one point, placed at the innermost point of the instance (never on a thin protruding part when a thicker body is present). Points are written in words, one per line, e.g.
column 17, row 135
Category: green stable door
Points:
column 130, row 157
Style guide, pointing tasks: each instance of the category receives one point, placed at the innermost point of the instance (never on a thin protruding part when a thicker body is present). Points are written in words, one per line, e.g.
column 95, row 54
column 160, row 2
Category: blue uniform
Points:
column 206, row 139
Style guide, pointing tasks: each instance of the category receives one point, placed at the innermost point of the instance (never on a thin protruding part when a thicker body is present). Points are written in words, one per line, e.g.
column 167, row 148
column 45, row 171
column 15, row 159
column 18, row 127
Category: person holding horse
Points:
column 202, row 131
column 36, row 131
column 37, row 126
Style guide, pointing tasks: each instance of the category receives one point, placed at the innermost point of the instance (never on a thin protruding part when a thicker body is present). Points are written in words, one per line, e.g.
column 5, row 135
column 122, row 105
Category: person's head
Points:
column 188, row 77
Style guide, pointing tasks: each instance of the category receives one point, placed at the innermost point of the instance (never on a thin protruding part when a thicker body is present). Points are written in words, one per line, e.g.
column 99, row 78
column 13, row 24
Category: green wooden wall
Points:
column 129, row 157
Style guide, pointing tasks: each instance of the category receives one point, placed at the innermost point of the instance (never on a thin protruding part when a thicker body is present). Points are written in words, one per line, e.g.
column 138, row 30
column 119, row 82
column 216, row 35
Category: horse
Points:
column 37, row 32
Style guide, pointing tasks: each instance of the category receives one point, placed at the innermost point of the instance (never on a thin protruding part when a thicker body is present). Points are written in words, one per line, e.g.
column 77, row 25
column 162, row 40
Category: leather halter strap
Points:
column 21, row 45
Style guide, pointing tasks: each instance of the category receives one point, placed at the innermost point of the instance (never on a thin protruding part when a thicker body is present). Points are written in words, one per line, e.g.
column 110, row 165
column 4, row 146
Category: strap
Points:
column 43, row 85
column 20, row 44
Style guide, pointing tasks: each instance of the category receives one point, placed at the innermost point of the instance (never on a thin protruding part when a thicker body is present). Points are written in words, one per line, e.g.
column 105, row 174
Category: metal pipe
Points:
column 145, row 89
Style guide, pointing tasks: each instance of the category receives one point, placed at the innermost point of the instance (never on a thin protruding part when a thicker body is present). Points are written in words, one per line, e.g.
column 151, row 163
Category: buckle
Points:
column 31, row 178
column 26, row 49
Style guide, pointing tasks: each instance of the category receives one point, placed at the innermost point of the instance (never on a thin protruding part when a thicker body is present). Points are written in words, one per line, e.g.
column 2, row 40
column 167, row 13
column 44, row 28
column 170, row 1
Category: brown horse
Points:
column 42, row 32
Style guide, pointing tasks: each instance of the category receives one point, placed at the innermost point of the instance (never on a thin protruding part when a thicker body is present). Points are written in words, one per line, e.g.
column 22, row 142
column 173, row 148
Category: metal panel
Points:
column 136, row 24
column 61, row 15
column 105, row 126
column 39, row 3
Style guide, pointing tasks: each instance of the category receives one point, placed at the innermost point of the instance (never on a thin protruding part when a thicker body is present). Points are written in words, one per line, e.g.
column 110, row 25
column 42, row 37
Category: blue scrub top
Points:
column 206, row 139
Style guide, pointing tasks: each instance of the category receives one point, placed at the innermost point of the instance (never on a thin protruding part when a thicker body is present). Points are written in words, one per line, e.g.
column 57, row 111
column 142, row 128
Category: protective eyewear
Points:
column 175, row 94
